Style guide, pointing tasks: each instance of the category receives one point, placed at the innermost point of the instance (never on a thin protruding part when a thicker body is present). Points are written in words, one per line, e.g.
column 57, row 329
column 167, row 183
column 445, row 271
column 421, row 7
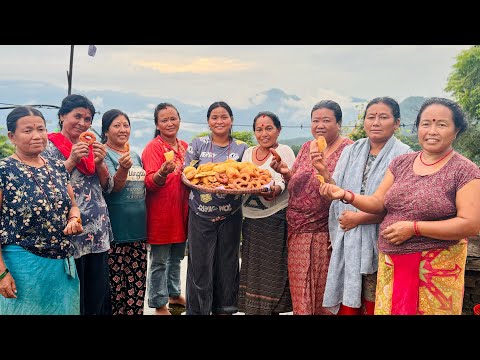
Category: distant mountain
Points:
column 408, row 110
column 294, row 112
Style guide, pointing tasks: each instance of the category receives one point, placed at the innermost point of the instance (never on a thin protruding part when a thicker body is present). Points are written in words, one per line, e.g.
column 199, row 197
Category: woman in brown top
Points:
column 432, row 203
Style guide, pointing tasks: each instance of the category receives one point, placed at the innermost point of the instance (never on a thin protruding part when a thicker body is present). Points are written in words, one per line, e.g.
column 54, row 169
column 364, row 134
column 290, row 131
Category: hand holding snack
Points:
column 74, row 226
column 167, row 168
column 125, row 161
column 99, row 152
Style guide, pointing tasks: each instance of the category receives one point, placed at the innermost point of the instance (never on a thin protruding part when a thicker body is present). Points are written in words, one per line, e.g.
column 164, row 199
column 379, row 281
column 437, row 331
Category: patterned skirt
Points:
column 127, row 263
column 264, row 287
column 308, row 260
column 424, row 283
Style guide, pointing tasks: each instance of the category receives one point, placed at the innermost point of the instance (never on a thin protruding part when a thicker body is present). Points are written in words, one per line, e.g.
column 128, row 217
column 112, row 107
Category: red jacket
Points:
column 167, row 205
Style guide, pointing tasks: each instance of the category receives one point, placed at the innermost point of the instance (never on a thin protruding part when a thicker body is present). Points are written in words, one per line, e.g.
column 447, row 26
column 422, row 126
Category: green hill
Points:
column 299, row 141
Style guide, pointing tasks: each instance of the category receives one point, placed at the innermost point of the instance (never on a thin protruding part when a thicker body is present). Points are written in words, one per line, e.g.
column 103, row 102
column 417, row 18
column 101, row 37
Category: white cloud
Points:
column 201, row 74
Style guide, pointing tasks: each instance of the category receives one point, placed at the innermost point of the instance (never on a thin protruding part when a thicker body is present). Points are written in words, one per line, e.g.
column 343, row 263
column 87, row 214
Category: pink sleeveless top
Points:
column 424, row 198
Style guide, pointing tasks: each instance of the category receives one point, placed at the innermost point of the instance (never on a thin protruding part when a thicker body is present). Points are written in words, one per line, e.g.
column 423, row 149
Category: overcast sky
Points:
column 201, row 74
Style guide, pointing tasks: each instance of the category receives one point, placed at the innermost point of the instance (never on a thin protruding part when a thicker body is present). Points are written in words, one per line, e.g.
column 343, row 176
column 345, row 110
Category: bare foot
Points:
column 162, row 311
column 179, row 300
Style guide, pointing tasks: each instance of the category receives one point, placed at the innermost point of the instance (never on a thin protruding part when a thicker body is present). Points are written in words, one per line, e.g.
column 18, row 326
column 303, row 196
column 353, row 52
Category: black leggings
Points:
column 93, row 273
column 213, row 265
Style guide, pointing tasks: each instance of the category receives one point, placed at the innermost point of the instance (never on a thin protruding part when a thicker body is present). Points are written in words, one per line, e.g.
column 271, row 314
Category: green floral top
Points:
column 35, row 206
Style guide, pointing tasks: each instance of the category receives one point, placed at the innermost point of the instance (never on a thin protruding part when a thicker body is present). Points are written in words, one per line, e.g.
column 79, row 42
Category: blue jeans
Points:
column 164, row 273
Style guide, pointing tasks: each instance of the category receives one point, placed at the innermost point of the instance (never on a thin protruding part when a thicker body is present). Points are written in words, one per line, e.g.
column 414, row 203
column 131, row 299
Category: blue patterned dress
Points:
column 35, row 207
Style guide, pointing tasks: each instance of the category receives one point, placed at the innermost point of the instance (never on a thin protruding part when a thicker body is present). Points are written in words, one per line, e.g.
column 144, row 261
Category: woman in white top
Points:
column 264, row 287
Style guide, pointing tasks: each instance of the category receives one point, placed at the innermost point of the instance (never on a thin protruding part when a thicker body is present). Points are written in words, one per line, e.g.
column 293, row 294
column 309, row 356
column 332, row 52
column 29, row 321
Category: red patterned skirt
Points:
column 308, row 259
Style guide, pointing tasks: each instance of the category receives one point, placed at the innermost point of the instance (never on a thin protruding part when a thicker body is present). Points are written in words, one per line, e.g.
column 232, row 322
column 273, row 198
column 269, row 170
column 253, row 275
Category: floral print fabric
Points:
column 35, row 207
column 97, row 230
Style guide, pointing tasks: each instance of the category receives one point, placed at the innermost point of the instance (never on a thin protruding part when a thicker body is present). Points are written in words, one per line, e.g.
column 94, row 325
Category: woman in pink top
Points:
column 431, row 199
column 167, row 210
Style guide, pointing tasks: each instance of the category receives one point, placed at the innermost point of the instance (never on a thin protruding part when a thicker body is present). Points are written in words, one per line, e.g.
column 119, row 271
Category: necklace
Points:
column 211, row 147
column 436, row 162
column 111, row 147
column 35, row 179
column 274, row 146
column 327, row 149
column 172, row 145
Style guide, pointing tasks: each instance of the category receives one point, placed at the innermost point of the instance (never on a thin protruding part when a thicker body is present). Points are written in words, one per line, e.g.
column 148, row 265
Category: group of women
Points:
column 85, row 217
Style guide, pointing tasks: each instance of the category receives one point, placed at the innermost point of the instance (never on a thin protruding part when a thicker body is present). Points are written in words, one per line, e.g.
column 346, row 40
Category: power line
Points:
column 301, row 126
column 13, row 106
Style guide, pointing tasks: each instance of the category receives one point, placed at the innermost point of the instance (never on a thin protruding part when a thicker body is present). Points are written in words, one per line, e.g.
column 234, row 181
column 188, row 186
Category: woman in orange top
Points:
column 167, row 210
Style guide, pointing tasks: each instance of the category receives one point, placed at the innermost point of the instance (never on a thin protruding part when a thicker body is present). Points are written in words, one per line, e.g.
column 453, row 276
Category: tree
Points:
column 358, row 131
column 464, row 84
column 296, row 149
column 6, row 149
column 245, row 136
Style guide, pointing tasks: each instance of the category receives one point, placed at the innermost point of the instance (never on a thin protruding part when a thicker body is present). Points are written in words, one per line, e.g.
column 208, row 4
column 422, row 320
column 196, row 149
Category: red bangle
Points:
column 345, row 201
column 415, row 229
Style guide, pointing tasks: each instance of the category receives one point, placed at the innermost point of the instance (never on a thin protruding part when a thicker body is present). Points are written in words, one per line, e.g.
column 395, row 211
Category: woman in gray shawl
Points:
column 351, row 278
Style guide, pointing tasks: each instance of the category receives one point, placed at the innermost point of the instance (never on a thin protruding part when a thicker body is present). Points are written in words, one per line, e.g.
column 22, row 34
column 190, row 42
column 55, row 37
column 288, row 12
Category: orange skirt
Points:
column 425, row 283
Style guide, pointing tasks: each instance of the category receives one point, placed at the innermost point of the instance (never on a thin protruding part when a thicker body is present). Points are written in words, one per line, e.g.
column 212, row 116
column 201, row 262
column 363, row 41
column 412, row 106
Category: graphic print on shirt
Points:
column 206, row 198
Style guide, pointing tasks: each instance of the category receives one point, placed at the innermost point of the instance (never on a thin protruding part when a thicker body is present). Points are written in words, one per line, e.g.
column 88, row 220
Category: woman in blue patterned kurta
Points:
column 89, row 176
column 38, row 211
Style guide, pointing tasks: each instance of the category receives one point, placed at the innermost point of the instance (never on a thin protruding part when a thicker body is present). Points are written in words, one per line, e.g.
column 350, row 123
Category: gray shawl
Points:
column 355, row 252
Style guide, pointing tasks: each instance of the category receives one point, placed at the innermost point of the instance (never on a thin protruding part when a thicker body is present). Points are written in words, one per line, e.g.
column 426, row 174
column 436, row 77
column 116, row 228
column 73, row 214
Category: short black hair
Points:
column 387, row 100
column 459, row 118
column 332, row 105
column 18, row 113
column 271, row 115
column 74, row 101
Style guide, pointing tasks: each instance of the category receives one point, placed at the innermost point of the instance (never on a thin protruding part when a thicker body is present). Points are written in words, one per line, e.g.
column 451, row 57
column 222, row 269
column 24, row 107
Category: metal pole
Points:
column 69, row 73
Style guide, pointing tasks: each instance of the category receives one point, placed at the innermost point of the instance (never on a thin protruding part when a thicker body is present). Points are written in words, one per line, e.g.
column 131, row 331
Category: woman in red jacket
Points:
column 167, row 209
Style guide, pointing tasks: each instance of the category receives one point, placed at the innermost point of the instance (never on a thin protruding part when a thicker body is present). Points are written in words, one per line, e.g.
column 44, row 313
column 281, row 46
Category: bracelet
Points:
column 4, row 273
column 345, row 193
column 162, row 176
column 79, row 220
column 415, row 229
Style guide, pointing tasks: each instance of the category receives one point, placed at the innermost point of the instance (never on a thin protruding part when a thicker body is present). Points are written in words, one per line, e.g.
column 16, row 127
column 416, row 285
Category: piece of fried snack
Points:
column 87, row 137
column 275, row 154
column 322, row 143
column 169, row 155
column 321, row 179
